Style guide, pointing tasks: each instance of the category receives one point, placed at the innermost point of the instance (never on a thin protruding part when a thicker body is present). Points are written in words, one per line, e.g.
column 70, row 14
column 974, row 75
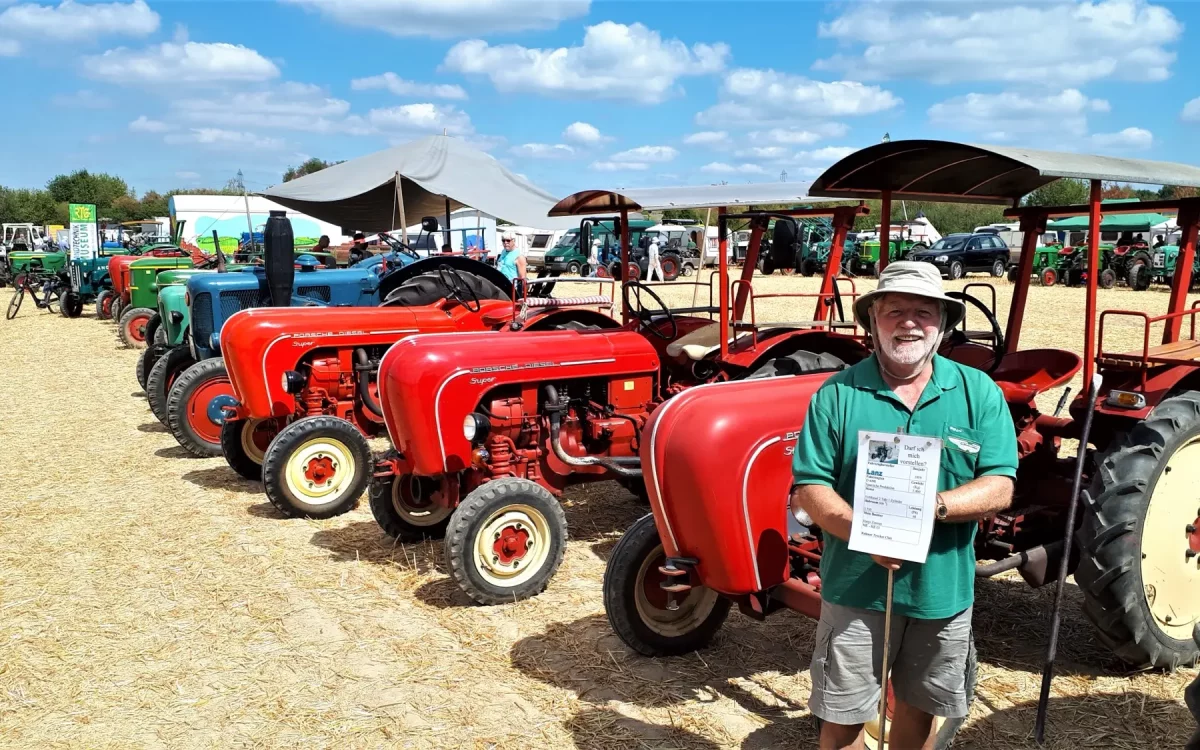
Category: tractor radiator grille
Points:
column 202, row 317
column 321, row 293
column 232, row 302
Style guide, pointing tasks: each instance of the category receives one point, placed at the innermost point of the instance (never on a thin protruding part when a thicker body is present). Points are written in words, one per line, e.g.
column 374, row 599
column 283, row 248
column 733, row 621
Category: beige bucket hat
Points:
column 910, row 277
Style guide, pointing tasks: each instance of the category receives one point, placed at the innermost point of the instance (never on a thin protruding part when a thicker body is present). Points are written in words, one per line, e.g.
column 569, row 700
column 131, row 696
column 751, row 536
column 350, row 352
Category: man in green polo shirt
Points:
column 904, row 387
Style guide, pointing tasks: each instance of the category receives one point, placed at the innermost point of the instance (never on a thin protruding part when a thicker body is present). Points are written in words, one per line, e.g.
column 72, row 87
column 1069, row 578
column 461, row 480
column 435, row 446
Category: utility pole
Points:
column 241, row 183
column 783, row 176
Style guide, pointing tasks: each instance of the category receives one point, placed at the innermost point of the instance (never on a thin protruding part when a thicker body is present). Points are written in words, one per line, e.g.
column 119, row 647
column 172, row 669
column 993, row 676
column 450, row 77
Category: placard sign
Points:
column 85, row 238
column 895, row 494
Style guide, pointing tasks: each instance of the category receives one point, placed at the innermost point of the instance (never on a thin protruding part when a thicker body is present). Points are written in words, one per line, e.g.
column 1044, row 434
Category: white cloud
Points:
column 225, row 140
column 287, row 106
column 192, row 177
column 400, row 87
column 422, row 118
column 657, row 154
column 1191, row 110
column 800, row 137
column 1134, row 139
column 707, row 138
column 144, row 124
column 718, row 167
column 1059, row 43
column 751, row 98
column 178, row 63
column 584, row 134
column 763, row 152
column 999, row 117
column 615, row 62
column 618, row 166
column 827, row 155
column 448, row 18
column 70, row 21
column 544, row 150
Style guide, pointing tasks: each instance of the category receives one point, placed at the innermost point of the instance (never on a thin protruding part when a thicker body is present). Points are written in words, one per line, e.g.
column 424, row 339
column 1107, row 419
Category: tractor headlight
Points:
column 475, row 426
column 293, row 382
column 176, row 317
column 1126, row 400
column 214, row 341
column 187, row 298
column 941, row 259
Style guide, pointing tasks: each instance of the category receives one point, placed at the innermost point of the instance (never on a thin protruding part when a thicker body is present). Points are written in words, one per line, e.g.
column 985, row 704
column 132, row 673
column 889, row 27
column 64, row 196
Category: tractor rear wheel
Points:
column 317, row 467
column 1107, row 279
column 195, row 407
column 409, row 508
column 1139, row 277
column 766, row 266
column 162, row 376
column 133, row 327
column 244, row 443
column 637, row 606
column 505, row 541
column 670, row 266
column 1014, row 272
column 1048, row 277
column 808, row 267
column 104, row 303
column 1138, row 542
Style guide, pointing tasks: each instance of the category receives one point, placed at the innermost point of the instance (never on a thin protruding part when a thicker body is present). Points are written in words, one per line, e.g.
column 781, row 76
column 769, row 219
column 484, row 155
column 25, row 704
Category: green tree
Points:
column 307, row 168
column 1062, row 192
column 153, row 205
column 84, row 187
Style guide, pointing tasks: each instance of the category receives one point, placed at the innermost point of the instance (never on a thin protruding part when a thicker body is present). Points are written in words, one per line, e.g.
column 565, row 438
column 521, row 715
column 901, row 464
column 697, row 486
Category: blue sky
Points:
column 575, row 94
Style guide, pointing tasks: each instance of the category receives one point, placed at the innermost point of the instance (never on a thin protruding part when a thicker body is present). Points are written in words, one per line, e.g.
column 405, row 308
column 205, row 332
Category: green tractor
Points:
column 139, row 308
column 1163, row 260
column 906, row 238
column 1129, row 258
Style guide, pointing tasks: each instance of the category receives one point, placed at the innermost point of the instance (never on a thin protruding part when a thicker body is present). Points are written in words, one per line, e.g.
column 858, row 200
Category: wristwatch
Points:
column 942, row 511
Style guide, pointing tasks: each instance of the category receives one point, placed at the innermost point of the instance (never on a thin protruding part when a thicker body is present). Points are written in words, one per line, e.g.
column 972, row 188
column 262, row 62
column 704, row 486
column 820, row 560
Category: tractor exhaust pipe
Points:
column 362, row 363
column 612, row 464
column 280, row 258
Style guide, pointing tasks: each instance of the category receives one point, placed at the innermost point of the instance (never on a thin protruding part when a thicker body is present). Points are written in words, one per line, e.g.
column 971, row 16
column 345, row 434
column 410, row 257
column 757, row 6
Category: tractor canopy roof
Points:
column 1142, row 222
column 966, row 173
column 692, row 196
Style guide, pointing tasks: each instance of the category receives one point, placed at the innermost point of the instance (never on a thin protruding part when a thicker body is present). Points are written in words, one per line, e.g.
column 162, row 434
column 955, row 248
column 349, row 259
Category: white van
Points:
column 535, row 242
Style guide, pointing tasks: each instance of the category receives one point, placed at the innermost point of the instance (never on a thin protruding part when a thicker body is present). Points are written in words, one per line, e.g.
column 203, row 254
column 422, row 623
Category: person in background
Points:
column 358, row 251
column 1159, row 241
column 655, row 264
column 447, row 250
column 511, row 261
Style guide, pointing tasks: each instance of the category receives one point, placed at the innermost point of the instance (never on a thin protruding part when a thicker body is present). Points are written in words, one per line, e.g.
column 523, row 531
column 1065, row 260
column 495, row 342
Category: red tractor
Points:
column 303, row 378
column 489, row 432
column 720, row 532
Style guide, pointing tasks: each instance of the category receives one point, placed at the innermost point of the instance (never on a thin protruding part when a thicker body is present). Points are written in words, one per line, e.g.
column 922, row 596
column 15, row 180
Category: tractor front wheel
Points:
column 70, row 305
column 1107, row 279
column 317, row 467
column 1139, row 546
column 1014, row 273
column 410, row 508
column 164, row 371
column 638, row 608
column 1048, row 277
column 1139, row 277
column 505, row 541
column 195, row 407
column 670, row 266
column 132, row 329
column 244, row 443
column 808, row 267
column 104, row 302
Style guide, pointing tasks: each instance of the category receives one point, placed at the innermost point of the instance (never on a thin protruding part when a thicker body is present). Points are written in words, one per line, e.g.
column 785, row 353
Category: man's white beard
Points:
column 909, row 353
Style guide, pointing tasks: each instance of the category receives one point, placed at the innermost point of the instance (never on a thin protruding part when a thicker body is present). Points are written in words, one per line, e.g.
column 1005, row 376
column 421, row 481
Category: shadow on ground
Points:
column 175, row 451
column 222, row 478
column 152, row 427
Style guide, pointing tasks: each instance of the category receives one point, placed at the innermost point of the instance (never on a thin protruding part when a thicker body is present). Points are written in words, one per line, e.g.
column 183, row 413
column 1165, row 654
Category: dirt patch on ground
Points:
column 147, row 599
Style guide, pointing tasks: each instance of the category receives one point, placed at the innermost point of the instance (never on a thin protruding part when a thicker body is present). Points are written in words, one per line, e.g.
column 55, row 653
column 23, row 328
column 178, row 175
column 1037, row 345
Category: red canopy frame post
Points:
column 885, row 229
column 723, row 269
column 752, row 252
column 1188, row 221
column 843, row 219
column 1033, row 224
column 1093, row 275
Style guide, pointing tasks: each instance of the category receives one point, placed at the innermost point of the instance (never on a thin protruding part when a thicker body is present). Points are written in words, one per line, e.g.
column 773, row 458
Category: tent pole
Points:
column 1093, row 263
column 447, row 221
column 400, row 205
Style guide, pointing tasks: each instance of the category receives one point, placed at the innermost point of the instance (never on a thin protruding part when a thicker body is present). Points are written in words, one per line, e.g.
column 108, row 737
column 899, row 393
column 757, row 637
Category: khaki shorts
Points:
column 932, row 664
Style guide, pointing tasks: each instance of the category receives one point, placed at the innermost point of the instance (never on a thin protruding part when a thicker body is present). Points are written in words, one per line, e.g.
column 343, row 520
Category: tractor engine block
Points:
column 331, row 388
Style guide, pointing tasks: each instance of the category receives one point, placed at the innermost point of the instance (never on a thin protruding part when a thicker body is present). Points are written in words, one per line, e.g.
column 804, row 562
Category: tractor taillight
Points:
column 1126, row 400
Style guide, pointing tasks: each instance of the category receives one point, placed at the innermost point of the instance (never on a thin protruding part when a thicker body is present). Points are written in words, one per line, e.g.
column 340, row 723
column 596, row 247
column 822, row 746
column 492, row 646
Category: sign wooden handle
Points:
column 883, row 681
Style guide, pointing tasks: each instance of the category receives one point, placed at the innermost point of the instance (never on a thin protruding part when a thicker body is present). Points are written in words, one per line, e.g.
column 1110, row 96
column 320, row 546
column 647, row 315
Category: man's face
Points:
column 906, row 327
column 509, row 243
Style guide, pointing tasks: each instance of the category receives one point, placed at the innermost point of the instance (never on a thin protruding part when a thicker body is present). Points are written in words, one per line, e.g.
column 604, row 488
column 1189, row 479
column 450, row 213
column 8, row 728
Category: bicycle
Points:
column 51, row 289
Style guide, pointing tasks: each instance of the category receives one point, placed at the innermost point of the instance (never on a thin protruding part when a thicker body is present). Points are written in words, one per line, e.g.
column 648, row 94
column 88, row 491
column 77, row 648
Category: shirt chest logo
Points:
column 964, row 445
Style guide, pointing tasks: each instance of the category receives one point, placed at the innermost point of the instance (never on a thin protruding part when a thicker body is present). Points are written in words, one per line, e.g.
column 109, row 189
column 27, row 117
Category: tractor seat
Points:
column 699, row 343
column 550, row 302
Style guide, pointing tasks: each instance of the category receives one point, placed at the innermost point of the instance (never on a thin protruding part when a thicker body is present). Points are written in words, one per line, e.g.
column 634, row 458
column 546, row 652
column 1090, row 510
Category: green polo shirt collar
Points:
column 869, row 378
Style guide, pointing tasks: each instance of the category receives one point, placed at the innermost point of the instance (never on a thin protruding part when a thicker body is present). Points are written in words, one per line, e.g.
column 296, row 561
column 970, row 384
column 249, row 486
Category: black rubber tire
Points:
column 1073, row 277
column 670, row 266
column 622, row 582
column 141, row 370
column 573, row 268
column 293, row 437
column 808, row 267
column 1109, row 538
column 475, row 510
column 162, row 375
column 401, row 526
column 153, row 328
column 1107, row 279
column 1013, row 273
column 177, row 401
column 70, row 305
column 14, row 304
column 101, row 300
column 998, row 268
column 1139, row 277
column 956, row 271
column 127, row 317
column 1048, row 277
column 766, row 266
column 244, row 464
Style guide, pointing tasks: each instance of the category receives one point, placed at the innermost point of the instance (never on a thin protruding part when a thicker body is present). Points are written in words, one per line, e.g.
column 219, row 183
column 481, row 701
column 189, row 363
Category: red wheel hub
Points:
column 137, row 327
column 652, row 584
column 1194, row 535
column 512, row 544
column 198, row 408
column 106, row 306
column 320, row 470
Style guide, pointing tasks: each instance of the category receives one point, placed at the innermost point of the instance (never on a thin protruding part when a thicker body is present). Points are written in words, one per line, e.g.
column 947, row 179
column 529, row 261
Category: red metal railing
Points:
column 1147, row 321
column 827, row 297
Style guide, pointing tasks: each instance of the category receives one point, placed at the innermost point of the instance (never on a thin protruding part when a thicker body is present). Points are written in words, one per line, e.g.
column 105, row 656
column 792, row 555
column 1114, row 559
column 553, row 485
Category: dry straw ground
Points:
column 148, row 599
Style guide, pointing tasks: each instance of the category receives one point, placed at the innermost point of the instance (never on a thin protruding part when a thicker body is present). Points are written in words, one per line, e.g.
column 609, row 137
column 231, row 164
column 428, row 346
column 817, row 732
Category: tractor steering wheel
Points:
column 958, row 338
column 455, row 284
column 646, row 318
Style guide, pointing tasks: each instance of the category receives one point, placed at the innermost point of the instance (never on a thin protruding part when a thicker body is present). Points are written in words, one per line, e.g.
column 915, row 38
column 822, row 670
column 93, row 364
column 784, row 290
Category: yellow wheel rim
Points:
column 512, row 545
column 252, row 451
column 1170, row 578
column 694, row 605
column 320, row 471
column 413, row 502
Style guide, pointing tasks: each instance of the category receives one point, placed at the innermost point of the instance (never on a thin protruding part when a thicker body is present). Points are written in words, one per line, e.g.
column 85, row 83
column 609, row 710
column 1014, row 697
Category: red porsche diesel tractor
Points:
column 489, row 431
column 304, row 378
column 720, row 533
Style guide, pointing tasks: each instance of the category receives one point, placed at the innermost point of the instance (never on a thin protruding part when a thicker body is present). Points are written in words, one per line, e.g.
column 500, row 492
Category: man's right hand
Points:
column 890, row 563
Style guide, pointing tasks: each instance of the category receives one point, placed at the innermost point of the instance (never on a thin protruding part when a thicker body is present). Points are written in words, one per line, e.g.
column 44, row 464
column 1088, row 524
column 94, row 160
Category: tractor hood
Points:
column 260, row 345
column 429, row 384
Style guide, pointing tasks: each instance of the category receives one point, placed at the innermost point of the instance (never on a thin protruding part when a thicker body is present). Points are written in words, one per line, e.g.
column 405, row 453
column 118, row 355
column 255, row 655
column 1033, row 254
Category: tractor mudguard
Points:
column 393, row 279
column 173, row 310
column 429, row 384
column 730, row 514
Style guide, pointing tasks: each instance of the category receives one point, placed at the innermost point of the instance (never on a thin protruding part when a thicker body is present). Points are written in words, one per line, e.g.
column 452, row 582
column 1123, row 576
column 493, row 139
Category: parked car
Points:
column 956, row 255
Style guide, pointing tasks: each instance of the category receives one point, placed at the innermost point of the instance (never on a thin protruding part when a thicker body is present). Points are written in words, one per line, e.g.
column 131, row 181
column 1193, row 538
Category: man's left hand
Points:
column 890, row 563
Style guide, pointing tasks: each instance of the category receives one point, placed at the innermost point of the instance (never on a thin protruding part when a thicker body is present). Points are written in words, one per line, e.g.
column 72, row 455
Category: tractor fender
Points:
column 775, row 343
column 393, row 279
column 1160, row 385
column 429, row 384
column 556, row 319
